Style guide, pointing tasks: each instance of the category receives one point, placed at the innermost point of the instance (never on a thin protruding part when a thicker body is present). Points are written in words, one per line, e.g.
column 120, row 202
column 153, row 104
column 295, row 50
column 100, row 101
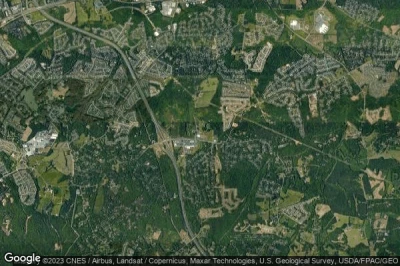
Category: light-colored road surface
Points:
column 161, row 133
column 31, row 10
column 137, row 2
column 138, row 10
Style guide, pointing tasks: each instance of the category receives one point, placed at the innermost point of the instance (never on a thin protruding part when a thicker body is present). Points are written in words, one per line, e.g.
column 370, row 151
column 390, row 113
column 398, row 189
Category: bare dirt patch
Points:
column 397, row 65
column 6, row 227
column 355, row 98
column 59, row 93
column 229, row 198
column 392, row 30
column 355, row 237
column 299, row 4
column 156, row 235
column 386, row 116
column 386, row 30
column 217, row 164
column 322, row 209
column 372, row 174
column 395, row 29
column 208, row 213
column 376, row 182
column 70, row 16
column 352, row 131
column 265, row 229
column 313, row 104
column 184, row 236
column 373, row 116
column 57, row 246
column 303, row 166
column 26, row 134
column 158, row 149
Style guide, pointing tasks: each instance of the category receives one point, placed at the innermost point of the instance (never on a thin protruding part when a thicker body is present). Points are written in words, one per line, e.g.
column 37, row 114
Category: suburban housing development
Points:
column 200, row 127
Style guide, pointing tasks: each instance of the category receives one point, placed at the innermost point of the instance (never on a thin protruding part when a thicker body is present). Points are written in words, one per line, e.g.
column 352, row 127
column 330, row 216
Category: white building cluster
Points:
column 40, row 141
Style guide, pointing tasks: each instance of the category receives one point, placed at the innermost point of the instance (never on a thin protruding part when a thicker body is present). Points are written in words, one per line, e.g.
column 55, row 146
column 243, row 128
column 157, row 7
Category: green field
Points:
column 29, row 98
column 36, row 17
column 207, row 90
column 53, row 187
column 289, row 198
column 99, row 202
column 81, row 15
column 87, row 13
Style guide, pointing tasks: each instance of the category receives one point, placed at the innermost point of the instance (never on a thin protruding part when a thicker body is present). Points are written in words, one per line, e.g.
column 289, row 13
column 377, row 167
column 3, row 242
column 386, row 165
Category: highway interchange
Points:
column 163, row 136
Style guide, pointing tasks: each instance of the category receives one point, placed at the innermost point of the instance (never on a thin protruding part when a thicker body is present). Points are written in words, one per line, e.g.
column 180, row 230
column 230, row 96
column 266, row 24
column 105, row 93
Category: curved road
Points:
column 138, row 10
column 162, row 134
column 31, row 10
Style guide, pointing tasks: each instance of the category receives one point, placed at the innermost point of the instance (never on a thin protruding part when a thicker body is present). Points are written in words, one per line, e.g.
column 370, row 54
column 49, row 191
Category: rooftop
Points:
column 321, row 23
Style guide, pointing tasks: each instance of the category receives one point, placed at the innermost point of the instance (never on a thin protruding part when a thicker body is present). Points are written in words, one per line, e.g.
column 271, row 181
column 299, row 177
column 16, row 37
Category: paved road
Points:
column 137, row 9
column 31, row 10
column 161, row 133
column 137, row 2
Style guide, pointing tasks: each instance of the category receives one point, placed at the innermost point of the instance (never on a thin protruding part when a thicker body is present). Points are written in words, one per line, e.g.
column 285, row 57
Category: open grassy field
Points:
column 81, row 15
column 207, row 90
column 346, row 220
column 61, row 158
column 53, row 187
column 82, row 140
column 355, row 237
column 88, row 13
column 289, row 198
column 29, row 99
column 36, row 17
column 99, row 202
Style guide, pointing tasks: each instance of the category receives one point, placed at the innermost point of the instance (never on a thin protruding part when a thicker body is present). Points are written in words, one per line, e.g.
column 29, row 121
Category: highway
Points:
column 29, row 11
column 161, row 133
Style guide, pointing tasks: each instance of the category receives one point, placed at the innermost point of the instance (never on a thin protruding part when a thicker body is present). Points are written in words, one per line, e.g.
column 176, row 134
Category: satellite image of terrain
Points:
column 200, row 127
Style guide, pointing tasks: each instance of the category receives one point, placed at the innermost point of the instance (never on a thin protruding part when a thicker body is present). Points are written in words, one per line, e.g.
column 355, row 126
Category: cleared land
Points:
column 29, row 99
column 59, row 93
column 99, row 202
column 70, row 16
column 368, row 142
column 374, row 116
column 81, row 14
column 36, row 17
column 289, row 198
column 355, row 237
column 87, row 13
column 207, row 90
column 26, row 133
column 322, row 209
column 62, row 158
column 53, row 186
